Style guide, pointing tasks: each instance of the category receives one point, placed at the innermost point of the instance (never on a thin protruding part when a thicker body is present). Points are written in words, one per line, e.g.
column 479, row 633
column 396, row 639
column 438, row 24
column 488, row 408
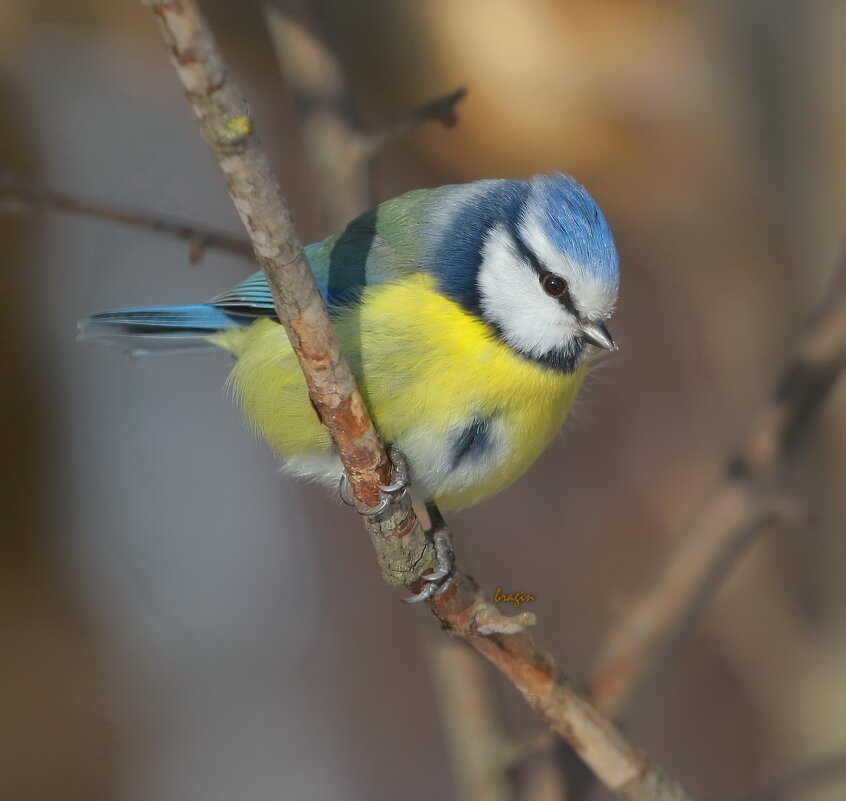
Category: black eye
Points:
column 553, row 285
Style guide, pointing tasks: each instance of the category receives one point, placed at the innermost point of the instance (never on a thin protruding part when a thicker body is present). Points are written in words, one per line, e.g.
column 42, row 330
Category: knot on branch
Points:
column 231, row 135
column 237, row 129
column 489, row 620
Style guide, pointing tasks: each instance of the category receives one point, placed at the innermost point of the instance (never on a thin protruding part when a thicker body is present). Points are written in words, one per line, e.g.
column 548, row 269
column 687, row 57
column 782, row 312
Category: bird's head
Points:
column 535, row 260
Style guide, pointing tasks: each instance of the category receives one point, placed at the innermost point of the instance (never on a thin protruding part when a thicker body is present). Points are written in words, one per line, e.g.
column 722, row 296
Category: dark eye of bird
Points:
column 553, row 285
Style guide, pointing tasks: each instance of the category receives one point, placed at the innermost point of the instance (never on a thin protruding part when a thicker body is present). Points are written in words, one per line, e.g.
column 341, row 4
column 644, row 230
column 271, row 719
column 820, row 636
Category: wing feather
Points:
column 381, row 245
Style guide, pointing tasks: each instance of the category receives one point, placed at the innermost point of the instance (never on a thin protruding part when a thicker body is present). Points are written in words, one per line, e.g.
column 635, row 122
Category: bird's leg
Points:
column 438, row 581
column 400, row 479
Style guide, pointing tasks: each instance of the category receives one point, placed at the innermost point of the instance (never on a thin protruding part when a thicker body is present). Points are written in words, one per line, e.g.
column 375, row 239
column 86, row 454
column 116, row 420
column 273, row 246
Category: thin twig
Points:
column 506, row 644
column 440, row 109
column 822, row 772
column 548, row 781
column 478, row 751
column 338, row 149
column 225, row 124
column 18, row 194
column 330, row 135
column 732, row 509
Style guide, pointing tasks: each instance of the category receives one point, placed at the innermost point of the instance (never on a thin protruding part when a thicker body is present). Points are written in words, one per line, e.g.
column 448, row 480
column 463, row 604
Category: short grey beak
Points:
column 597, row 334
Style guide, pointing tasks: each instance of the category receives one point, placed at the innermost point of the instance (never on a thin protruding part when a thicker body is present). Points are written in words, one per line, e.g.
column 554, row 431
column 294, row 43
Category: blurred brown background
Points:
column 179, row 622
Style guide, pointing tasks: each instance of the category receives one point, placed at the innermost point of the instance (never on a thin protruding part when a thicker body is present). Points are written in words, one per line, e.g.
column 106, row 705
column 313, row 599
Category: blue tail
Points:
column 159, row 329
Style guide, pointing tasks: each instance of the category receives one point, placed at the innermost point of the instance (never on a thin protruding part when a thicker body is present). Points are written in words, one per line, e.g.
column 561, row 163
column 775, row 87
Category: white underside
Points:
column 431, row 458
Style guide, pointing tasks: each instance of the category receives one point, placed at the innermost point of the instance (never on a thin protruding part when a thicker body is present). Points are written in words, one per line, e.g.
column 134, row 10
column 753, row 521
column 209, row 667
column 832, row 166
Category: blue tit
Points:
column 468, row 314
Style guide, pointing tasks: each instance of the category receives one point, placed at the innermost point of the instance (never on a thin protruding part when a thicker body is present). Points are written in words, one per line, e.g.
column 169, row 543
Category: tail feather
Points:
column 159, row 329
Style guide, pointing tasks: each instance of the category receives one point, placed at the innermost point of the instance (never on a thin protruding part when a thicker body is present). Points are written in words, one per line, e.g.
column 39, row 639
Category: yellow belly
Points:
column 427, row 369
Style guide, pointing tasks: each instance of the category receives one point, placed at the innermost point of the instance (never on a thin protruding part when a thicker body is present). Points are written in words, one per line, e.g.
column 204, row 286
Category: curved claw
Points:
column 389, row 491
column 428, row 591
column 396, row 486
column 400, row 470
column 346, row 493
column 440, row 579
column 432, row 589
column 345, row 490
column 380, row 507
column 438, row 575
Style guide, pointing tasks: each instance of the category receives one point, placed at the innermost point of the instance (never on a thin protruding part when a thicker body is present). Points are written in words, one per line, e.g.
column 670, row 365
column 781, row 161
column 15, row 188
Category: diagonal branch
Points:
column 513, row 651
column 737, row 505
column 18, row 194
column 397, row 535
column 226, row 126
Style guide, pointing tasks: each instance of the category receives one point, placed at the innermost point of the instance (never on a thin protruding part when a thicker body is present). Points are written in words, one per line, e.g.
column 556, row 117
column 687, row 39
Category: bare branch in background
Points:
column 480, row 755
column 732, row 509
column 339, row 150
column 440, row 109
column 225, row 124
column 19, row 195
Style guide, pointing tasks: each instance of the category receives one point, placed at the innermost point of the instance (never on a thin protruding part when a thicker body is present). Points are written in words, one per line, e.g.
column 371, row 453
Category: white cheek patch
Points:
column 593, row 295
column 512, row 298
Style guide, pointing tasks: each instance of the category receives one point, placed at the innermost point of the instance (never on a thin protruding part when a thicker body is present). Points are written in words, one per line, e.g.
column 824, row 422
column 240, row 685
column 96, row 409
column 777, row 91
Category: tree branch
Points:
column 17, row 194
column 225, row 124
column 338, row 149
column 737, row 505
column 400, row 543
column 505, row 643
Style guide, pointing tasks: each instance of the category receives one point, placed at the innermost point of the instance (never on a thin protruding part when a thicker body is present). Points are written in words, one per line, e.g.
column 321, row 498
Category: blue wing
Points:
column 252, row 297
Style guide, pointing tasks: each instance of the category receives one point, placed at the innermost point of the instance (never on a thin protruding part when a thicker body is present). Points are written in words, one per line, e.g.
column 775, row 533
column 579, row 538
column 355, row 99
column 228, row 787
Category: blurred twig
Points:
column 439, row 109
column 479, row 753
column 338, row 149
column 732, row 509
column 20, row 195
column 822, row 772
column 397, row 535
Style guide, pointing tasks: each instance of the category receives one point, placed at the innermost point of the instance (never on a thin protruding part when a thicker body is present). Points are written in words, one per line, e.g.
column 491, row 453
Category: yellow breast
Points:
column 427, row 369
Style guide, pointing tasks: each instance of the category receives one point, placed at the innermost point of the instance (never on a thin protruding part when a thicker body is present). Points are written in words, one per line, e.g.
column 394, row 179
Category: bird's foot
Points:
column 440, row 579
column 400, row 480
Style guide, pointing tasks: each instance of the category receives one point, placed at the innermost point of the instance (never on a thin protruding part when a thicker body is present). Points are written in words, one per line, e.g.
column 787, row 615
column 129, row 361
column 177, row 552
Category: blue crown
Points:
column 570, row 218
column 567, row 214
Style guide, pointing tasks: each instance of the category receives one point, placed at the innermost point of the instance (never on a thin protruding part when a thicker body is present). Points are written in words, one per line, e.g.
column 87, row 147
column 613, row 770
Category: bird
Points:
column 469, row 315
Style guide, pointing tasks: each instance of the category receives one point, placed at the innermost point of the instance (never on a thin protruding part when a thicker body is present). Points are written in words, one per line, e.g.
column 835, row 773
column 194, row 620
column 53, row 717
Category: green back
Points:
column 382, row 244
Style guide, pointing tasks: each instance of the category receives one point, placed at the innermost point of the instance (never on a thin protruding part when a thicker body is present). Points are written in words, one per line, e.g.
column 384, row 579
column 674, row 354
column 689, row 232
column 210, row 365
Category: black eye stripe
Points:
column 525, row 251
column 563, row 297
